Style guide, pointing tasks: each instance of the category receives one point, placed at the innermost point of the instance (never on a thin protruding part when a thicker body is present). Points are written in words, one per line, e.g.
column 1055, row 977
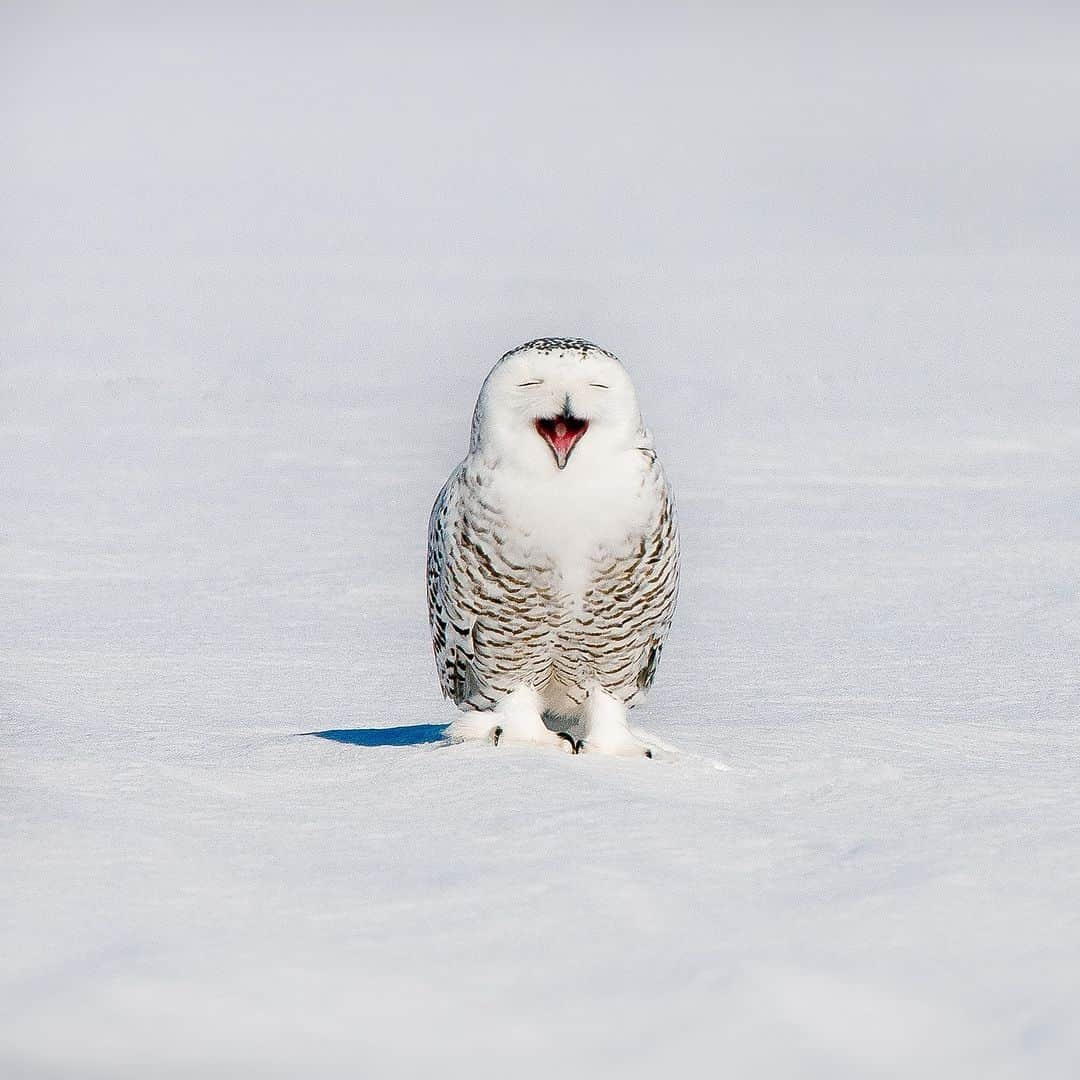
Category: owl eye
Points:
column 600, row 385
column 535, row 382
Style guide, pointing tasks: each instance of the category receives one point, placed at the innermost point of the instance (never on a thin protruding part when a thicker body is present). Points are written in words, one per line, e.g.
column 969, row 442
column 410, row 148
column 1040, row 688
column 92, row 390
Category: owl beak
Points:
column 562, row 433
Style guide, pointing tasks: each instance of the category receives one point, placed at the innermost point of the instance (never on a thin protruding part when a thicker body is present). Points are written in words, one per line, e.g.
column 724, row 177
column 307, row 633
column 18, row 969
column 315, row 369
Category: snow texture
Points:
column 253, row 272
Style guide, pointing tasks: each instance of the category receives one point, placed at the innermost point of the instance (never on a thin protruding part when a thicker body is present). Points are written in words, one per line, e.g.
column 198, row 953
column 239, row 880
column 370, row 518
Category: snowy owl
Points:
column 553, row 555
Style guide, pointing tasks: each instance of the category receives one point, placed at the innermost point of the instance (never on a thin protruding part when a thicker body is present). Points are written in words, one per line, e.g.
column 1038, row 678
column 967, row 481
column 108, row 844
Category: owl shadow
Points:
column 411, row 735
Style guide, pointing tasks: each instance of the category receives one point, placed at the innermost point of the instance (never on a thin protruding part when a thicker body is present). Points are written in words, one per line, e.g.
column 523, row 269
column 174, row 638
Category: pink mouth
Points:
column 561, row 433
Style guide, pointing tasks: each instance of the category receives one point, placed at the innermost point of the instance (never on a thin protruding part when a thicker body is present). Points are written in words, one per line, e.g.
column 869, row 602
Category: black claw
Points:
column 575, row 747
column 648, row 753
column 496, row 735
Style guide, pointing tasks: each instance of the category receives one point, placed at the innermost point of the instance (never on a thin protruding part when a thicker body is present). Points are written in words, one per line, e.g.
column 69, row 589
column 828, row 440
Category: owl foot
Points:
column 629, row 748
column 501, row 735
column 605, row 728
column 478, row 728
column 515, row 719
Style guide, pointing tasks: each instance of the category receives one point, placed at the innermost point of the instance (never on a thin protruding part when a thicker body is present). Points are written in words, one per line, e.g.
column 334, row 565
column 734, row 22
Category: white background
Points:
column 254, row 267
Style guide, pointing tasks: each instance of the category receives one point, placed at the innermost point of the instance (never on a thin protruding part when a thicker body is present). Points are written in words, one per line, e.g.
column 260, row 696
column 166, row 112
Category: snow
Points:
column 233, row 842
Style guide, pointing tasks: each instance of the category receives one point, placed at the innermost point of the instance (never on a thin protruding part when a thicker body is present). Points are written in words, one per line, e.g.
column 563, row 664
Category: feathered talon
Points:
column 583, row 748
column 575, row 746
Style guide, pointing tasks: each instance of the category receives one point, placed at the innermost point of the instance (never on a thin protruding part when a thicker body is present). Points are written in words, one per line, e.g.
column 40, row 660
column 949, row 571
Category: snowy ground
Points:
column 232, row 842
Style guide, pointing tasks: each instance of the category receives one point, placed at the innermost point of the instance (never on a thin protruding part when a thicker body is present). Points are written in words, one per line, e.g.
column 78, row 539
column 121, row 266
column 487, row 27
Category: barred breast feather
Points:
column 506, row 609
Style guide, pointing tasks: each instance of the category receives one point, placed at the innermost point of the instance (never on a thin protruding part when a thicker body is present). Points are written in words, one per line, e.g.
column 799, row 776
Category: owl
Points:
column 553, row 556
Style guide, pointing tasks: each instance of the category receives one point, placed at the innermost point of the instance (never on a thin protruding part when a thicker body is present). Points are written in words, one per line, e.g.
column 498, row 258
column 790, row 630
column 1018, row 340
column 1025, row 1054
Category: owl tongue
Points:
column 561, row 433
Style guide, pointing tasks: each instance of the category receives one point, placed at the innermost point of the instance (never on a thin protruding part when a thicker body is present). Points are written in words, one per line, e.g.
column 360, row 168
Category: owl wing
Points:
column 451, row 626
column 490, row 618
column 660, row 586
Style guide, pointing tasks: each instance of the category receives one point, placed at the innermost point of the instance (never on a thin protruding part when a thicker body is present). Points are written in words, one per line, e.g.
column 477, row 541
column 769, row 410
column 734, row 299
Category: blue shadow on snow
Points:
column 413, row 735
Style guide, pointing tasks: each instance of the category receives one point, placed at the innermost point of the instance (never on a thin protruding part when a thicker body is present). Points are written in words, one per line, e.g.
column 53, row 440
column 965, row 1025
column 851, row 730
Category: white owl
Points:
column 553, row 555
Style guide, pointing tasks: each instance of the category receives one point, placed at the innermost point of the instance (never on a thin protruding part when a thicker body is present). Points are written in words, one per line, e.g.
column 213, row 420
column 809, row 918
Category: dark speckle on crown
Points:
column 560, row 344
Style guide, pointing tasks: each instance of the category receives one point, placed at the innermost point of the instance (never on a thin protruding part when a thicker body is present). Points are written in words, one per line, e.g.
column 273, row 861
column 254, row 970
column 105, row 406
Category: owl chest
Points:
column 561, row 531
column 559, row 616
column 568, row 612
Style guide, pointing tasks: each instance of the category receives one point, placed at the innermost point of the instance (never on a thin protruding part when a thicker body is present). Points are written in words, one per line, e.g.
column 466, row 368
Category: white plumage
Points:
column 553, row 555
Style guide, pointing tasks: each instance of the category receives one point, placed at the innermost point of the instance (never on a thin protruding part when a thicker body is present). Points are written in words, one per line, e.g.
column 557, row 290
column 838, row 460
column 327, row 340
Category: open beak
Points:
column 562, row 433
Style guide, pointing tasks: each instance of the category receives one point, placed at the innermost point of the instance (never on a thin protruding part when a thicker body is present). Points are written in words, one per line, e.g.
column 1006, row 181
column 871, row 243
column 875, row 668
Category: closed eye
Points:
column 600, row 385
column 535, row 382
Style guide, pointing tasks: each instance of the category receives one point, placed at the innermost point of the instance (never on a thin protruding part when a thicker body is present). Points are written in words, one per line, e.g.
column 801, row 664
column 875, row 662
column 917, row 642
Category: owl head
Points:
column 556, row 403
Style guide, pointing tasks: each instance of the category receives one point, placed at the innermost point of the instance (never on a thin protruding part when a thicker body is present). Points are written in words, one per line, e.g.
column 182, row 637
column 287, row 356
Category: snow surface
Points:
column 238, row 349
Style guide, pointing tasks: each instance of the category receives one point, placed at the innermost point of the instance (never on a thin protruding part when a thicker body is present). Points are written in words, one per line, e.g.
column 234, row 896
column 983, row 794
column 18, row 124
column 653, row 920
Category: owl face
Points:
column 555, row 402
